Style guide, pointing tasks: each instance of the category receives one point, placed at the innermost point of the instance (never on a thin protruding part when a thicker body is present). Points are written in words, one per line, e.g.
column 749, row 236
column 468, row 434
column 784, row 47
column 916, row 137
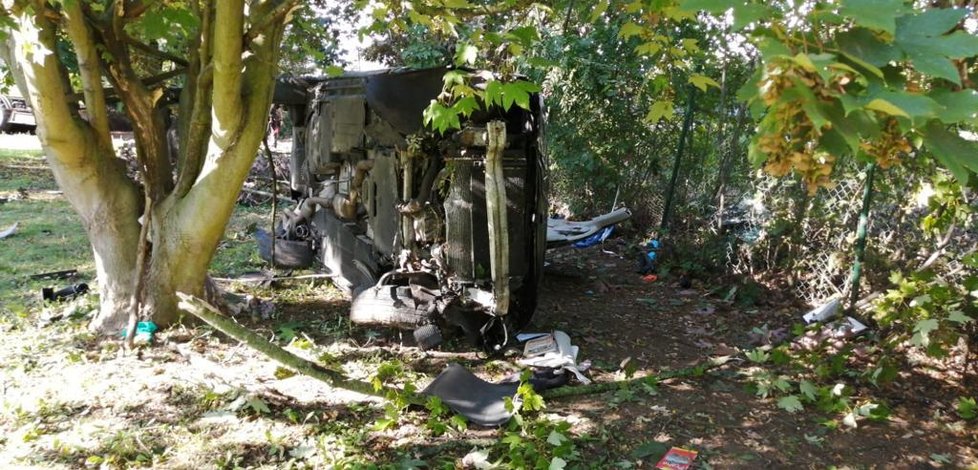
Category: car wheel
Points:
column 389, row 306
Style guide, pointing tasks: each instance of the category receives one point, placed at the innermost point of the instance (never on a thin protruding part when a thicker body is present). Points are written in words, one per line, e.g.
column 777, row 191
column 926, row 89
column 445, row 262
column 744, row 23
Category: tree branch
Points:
column 149, row 128
column 206, row 312
column 195, row 108
column 36, row 63
column 278, row 14
column 154, row 51
column 694, row 371
column 227, row 49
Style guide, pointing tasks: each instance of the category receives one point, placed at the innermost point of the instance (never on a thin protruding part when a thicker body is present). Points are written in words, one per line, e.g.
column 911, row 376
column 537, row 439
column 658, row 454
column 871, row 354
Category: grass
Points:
column 50, row 236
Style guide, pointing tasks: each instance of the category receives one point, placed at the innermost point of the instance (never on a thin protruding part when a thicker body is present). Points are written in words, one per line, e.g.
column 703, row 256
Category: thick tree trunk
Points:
column 231, row 83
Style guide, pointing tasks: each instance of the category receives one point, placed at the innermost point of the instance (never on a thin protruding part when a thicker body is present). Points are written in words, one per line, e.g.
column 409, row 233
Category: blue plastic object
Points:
column 598, row 237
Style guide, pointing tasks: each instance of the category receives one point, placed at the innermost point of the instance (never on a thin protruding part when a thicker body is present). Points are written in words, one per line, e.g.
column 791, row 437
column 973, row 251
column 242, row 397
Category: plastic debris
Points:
column 144, row 332
column 677, row 459
column 598, row 237
column 70, row 292
column 481, row 402
column 823, row 312
column 647, row 264
column 8, row 231
column 564, row 357
column 650, row 278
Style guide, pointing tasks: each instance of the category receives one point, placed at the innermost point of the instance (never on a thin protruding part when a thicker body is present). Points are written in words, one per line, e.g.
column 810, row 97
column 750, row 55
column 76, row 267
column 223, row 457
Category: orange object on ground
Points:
column 650, row 278
column 677, row 459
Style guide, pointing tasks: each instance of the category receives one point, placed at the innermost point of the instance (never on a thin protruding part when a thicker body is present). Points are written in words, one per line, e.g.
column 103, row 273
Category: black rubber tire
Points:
column 387, row 306
column 292, row 254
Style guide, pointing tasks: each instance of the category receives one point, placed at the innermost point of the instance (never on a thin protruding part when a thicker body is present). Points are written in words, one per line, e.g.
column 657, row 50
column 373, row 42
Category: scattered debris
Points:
column 144, row 332
column 595, row 239
column 9, row 231
column 677, row 459
column 481, row 402
column 647, row 263
column 564, row 357
column 834, row 333
column 70, row 292
column 823, row 312
column 68, row 273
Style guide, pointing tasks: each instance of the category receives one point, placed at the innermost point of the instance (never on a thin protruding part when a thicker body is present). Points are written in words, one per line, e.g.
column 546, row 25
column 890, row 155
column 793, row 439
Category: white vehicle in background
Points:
column 16, row 114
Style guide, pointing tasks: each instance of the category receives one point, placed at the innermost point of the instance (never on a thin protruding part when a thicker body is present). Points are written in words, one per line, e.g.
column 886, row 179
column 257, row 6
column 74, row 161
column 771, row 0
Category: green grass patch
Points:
column 238, row 251
column 24, row 169
column 50, row 236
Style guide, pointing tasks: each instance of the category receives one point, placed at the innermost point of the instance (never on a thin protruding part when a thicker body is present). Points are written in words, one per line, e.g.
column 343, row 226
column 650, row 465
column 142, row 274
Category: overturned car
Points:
column 429, row 232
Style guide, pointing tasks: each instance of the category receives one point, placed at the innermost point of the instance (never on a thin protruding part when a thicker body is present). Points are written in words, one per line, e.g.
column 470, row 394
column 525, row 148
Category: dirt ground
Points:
column 196, row 400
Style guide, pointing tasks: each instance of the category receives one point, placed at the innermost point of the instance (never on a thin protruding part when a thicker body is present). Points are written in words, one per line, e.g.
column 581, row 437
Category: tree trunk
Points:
column 223, row 114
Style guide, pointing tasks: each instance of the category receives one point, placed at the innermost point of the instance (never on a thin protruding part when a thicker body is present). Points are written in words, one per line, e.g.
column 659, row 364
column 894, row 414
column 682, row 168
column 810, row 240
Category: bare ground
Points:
column 196, row 400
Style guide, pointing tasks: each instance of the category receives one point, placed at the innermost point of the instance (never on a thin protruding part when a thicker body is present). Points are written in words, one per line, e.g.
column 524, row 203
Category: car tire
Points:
column 388, row 306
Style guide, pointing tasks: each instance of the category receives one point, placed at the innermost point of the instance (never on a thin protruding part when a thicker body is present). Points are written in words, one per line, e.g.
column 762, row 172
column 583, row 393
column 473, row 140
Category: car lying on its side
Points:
column 430, row 232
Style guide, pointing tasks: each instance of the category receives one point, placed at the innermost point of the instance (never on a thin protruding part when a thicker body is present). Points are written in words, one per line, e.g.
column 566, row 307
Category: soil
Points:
column 198, row 400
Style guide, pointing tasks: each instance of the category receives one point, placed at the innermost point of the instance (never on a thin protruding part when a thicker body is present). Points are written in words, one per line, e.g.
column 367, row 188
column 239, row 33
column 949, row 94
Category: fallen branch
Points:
column 201, row 309
column 699, row 369
column 274, row 278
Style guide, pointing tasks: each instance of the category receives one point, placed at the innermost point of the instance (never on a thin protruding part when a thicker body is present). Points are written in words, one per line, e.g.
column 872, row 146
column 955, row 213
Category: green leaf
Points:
column 630, row 29
column 866, row 49
column 967, row 408
column 808, row 389
column 440, row 117
column 954, row 152
column 494, row 93
column 922, row 331
column 746, row 13
column 518, row 92
column 930, row 22
column 257, row 405
column 659, row 110
column 910, row 105
column 599, row 10
column 555, row 438
column 648, row 48
column 758, row 355
column 791, row 404
column 466, row 54
column 959, row 317
column 712, row 6
column 334, row 71
column 702, row 81
column 959, row 106
column 651, row 450
column 466, row 106
column 922, row 38
column 875, row 14
column 887, row 107
column 557, row 463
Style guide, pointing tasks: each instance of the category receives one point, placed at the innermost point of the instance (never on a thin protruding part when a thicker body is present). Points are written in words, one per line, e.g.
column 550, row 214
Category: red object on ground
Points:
column 650, row 278
column 677, row 459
